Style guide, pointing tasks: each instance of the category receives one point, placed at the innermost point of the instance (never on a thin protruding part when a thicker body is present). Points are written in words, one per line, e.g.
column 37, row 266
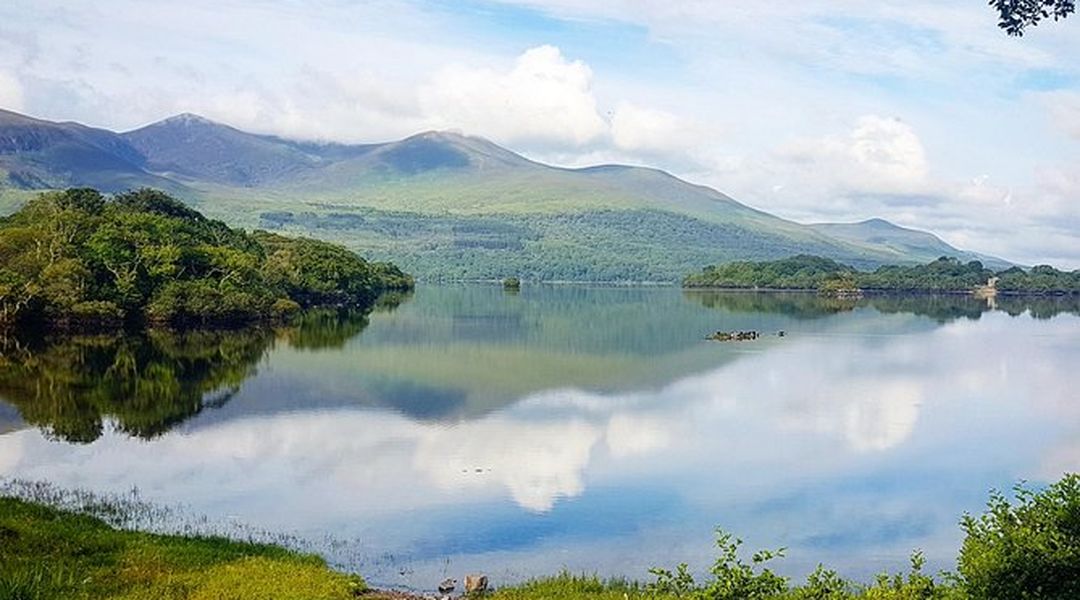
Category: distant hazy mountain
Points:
column 38, row 154
column 443, row 205
column 909, row 243
column 190, row 147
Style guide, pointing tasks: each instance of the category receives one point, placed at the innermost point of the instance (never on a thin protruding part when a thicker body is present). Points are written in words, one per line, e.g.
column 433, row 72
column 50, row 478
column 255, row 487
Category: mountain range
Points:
column 442, row 205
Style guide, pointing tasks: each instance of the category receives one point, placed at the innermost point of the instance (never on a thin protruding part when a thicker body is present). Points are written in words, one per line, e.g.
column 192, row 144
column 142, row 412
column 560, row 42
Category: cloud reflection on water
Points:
column 833, row 441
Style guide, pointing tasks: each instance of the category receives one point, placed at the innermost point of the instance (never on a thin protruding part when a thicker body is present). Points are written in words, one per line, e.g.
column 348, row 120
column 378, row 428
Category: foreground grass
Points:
column 568, row 585
column 49, row 553
column 822, row 585
column 1025, row 548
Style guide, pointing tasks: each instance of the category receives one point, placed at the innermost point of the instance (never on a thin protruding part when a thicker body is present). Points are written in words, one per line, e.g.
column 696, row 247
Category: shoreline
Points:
column 89, row 326
column 51, row 549
column 886, row 292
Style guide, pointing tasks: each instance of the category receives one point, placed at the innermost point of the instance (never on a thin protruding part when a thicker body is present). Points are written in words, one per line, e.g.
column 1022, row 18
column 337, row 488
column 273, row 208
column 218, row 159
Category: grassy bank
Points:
column 49, row 553
column 1026, row 547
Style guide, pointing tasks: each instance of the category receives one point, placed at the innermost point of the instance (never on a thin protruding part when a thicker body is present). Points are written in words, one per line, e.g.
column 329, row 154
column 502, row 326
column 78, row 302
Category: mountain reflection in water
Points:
column 593, row 428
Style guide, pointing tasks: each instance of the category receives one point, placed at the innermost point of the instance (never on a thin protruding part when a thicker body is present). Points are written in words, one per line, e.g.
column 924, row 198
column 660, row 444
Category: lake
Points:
column 470, row 429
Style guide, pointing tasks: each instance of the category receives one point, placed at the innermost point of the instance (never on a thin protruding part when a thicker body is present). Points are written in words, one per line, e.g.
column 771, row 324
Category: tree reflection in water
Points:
column 146, row 383
column 942, row 308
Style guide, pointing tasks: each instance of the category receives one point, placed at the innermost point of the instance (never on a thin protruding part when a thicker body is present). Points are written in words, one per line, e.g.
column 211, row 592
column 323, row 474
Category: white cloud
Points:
column 11, row 92
column 631, row 435
column 537, row 462
column 880, row 155
column 888, row 152
column 639, row 129
column 882, row 416
column 543, row 99
column 1064, row 111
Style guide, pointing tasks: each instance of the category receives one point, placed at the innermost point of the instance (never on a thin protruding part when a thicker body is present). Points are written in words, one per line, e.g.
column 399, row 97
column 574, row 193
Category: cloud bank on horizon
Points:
column 919, row 111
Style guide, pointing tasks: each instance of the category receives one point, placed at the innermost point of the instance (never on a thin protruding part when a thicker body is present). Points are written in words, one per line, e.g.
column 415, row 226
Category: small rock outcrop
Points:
column 447, row 586
column 475, row 584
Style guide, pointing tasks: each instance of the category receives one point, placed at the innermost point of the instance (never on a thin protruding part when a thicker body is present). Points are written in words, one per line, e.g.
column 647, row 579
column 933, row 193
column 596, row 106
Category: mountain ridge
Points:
column 446, row 204
column 882, row 232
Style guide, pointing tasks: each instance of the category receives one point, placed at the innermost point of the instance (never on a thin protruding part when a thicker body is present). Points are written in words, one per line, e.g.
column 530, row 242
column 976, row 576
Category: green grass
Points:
column 1025, row 547
column 49, row 553
column 568, row 585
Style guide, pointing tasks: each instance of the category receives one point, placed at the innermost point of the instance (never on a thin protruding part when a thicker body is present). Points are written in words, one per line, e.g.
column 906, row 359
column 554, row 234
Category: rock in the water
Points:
column 475, row 584
column 734, row 336
column 447, row 586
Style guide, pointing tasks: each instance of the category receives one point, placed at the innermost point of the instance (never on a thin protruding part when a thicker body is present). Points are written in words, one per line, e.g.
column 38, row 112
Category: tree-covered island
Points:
column 77, row 258
column 944, row 275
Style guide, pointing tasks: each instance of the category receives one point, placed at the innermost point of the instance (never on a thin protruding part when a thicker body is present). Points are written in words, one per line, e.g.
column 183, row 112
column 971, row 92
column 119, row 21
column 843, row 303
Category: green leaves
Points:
column 1017, row 15
column 731, row 579
column 1029, row 548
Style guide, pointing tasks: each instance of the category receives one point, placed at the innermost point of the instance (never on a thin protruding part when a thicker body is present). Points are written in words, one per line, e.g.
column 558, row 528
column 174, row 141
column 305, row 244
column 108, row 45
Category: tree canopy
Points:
column 77, row 257
column 946, row 274
column 1017, row 15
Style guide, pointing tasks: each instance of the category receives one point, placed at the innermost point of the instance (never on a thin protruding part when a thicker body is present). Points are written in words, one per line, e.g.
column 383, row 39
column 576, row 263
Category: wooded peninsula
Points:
column 944, row 275
column 79, row 259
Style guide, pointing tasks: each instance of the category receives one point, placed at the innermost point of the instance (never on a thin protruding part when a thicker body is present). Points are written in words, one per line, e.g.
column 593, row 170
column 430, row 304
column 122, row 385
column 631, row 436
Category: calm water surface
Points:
column 468, row 429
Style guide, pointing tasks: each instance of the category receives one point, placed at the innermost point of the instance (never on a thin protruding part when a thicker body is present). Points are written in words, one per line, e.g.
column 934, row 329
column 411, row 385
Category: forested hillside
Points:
column 77, row 258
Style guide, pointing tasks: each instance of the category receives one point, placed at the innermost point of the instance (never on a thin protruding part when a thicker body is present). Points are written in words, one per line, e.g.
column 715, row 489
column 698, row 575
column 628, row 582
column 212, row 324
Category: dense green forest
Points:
column 608, row 245
column 946, row 274
column 76, row 258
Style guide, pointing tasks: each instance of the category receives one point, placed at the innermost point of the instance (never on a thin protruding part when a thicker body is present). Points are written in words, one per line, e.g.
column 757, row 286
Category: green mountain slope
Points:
column 444, row 205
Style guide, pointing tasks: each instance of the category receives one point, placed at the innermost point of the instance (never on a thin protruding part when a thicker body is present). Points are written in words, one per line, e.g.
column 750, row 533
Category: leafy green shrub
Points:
column 284, row 307
column 823, row 584
column 101, row 311
column 1030, row 549
column 916, row 586
column 732, row 579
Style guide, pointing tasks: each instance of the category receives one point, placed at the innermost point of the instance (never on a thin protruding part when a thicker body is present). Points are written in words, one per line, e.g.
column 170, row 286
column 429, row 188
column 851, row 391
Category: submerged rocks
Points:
column 734, row 336
column 738, row 336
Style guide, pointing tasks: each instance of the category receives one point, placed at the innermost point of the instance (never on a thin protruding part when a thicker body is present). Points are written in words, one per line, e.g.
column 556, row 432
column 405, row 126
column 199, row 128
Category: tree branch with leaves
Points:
column 1017, row 15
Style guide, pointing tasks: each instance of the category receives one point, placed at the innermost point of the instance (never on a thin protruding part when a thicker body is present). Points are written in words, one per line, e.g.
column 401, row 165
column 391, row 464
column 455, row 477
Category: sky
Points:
column 922, row 112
